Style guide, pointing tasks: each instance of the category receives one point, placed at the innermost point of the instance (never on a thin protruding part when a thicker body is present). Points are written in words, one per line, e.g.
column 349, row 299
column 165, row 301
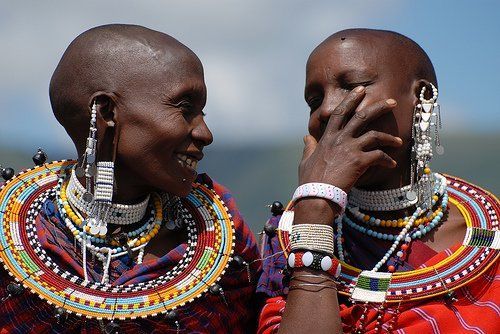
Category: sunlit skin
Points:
column 361, row 87
column 150, row 94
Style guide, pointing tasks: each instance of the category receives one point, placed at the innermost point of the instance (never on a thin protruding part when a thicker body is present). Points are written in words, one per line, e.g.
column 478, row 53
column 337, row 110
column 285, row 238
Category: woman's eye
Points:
column 186, row 106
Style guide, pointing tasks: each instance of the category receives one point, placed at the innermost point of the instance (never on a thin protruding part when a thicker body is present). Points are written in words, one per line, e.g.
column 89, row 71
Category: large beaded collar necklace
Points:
column 210, row 249
column 479, row 250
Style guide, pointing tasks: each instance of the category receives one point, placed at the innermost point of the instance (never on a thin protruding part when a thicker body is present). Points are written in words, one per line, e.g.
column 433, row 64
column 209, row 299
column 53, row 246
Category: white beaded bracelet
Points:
column 313, row 237
column 322, row 190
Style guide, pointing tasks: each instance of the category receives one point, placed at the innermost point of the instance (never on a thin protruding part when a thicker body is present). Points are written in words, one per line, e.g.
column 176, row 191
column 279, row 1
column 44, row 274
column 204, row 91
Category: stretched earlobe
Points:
column 105, row 107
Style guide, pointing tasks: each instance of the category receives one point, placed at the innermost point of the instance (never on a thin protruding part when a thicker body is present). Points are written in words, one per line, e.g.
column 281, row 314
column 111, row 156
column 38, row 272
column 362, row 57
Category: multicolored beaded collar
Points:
column 210, row 249
column 479, row 250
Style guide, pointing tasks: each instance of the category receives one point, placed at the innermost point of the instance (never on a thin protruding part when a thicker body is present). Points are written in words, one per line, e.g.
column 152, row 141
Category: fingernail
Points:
column 390, row 102
column 399, row 140
column 359, row 89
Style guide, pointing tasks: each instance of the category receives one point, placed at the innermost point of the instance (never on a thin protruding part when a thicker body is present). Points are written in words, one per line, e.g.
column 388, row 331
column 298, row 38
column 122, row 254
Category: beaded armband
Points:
column 313, row 237
column 322, row 190
column 315, row 261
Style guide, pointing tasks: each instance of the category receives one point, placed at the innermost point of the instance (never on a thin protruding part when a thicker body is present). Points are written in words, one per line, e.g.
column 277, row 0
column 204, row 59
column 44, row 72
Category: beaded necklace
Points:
column 210, row 248
column 119, row 214
column 479, row 250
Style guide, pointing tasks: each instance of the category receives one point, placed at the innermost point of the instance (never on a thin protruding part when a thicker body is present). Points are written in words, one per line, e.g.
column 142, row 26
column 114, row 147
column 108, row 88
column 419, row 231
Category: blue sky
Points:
column 254, row 53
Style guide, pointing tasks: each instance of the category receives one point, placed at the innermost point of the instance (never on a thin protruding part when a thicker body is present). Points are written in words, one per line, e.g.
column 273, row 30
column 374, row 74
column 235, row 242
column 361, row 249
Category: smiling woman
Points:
column 129, row 236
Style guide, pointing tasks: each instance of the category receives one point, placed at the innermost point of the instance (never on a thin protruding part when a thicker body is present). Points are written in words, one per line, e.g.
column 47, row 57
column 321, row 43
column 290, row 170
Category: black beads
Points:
column 171, row 316
column 60, row 315
column 112, row 328
column 240, row 262
column 450, row 297
column 276, row 208
column 40, row 157
column 215, row 289
column 122, row 239
column 270, row 229
column 15, row 289
column 7, row 173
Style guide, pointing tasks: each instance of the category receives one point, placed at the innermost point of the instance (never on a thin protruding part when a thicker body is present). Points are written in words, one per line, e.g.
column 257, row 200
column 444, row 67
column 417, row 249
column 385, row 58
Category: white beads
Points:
column 307, row 259
column 314, row 237
column 291, row 260
column 119, row 214
column 322, row 190
column 103, row 191
column 326, row 263
column 381, row 200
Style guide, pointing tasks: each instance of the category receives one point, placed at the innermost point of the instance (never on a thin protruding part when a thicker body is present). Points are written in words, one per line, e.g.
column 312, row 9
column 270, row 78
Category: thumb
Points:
column 309, row 146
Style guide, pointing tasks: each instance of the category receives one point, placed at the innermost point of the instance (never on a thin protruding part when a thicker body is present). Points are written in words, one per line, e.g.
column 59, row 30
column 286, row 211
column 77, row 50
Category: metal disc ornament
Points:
column 87, row 197
column 411, row 195
column 80, row 172
column 440, row 150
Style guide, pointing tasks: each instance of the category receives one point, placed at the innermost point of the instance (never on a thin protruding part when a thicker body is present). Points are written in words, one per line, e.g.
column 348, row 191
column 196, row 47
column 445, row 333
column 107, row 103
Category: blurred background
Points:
column 254, row 54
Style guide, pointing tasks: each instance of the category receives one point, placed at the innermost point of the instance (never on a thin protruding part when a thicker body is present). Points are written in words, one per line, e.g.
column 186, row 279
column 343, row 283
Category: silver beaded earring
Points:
column 101, row 176
column 426, row 115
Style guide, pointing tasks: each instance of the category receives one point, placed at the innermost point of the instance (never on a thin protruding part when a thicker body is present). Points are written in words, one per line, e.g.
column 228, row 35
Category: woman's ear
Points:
column 106, row 108
column 106, row 123
column 417, row 86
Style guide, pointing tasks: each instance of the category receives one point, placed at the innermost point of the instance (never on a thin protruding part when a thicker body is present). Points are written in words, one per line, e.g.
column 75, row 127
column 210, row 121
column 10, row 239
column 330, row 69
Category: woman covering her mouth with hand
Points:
column 374, row 241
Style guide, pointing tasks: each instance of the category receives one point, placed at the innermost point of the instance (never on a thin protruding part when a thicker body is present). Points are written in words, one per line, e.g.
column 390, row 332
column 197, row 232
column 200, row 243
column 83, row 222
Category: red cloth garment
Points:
column 207, row 314
column 476, row 311
column 475, row 277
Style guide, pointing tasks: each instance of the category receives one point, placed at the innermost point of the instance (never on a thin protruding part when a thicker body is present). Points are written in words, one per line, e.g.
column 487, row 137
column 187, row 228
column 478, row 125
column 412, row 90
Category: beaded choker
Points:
column 119, row 214
column 209, row 250
column 479, row 250
column 382, row 200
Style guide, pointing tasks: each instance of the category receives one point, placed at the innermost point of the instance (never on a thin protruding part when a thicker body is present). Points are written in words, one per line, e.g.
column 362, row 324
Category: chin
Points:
column 371, row 179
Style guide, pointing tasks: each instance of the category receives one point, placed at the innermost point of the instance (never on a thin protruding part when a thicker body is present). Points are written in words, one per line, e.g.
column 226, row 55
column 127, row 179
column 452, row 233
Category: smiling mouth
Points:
column 187, row 161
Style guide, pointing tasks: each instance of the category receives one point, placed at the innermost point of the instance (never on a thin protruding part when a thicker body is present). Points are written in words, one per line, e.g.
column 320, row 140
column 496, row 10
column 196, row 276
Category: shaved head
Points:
column 116, row 59
column 402, row 51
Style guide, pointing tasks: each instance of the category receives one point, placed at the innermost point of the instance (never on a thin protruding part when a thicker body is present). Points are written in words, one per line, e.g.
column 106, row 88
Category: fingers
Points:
column 379, row 158
column 363, row 117
column 341, row 113
column 375, row 139
column 309, row 146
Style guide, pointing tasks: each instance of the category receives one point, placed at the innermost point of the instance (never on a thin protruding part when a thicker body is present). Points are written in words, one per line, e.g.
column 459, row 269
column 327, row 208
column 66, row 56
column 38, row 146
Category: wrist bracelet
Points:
column 313, row 237
column 315, row 261
column 322, row 190
column 313, row 287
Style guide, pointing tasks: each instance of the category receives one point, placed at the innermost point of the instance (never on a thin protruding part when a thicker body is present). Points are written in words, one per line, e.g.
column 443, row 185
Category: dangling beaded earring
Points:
column 425, row 115
column 172, row 209
column 101, row 175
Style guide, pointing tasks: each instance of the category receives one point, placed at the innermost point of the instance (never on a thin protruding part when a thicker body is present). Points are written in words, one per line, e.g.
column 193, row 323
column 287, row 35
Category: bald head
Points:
column 116, row 59
column 399, row 51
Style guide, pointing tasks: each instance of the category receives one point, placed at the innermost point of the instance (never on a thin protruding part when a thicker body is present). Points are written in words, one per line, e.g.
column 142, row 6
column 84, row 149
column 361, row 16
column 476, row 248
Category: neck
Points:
column 124, row 194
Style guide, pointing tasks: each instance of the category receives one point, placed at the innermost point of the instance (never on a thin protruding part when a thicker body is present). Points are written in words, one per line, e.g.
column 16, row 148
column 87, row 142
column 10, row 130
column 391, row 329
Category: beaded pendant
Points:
column 210, row 247
column 479, row 250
